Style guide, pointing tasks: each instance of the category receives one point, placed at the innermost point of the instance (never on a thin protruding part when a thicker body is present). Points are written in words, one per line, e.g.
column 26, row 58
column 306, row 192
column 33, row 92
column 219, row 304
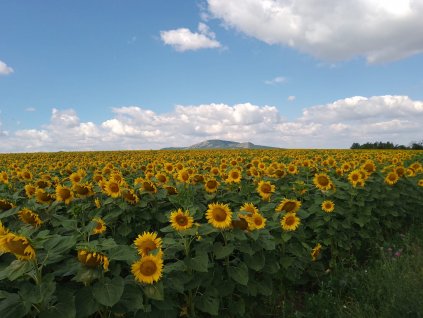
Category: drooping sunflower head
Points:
column 219, row 215
column 64, row 194
column 148, row 269
column 5, row 205
column 148, row 186
column 93, row 259
column 30, row 190
column 265, row 189
column 241, row 223
column 322, row 181
column 181, row 220
column 171, row 190
column 83, row 190
column 147, row 242
column 99, row 226
column 328, row 206
column 130, row 196
column 43, row 197
column 17, row 245
column 4, row 177
column 290, row 222
column 315, row 252
column 29, row 217
column 211, row 185
column 288, row 205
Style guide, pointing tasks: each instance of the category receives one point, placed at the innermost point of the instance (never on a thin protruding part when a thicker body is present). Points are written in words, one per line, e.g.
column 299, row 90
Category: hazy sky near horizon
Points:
column 144, row 74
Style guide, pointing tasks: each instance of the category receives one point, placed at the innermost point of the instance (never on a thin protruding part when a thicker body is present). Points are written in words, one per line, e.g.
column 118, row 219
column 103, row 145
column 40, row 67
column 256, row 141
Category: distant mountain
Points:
column 220, row 144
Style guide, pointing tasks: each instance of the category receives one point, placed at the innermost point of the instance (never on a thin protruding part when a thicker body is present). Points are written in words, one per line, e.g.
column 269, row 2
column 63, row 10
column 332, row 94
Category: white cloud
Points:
column 276, row 80
column 291, row 98
column 332, row 30
column 183, row 39
column 30, row 109
column 334, row 125
column 5, row 69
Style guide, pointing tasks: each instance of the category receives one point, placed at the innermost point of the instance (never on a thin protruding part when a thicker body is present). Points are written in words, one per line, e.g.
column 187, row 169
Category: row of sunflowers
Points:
column 191, row 233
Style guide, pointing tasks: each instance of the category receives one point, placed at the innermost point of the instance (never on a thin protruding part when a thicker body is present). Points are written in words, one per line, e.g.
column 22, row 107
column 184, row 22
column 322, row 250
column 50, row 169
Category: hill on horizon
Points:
column 221, row 144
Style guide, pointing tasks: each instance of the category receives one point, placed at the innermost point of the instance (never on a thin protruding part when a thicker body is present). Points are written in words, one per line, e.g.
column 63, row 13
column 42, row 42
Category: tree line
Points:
column 414, row 145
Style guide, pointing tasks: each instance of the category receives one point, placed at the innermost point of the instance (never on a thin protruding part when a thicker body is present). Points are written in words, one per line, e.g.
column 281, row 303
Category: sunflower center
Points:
column 5, row 205
column 64, row 193
column 82, row 190
column 182, row 220
column 114, row 187
column 148, row 246
column 17, row 246
column 392, row 177
column 99, row 226
column 148, row 268
column 258, row 221
column 289, row 206
column 219, row 214
column 354, row 177
column 211, row 184
column 266, row 188
column 322, row 180
column 290, row 220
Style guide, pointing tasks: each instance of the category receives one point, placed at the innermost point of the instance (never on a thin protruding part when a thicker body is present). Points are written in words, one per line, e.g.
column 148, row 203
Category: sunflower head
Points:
column 30, row 190
column 328, row 206
column 93, row 259
column 290, row 222
column 130, row 196
column 64, row 194
column 29, row 217
column 5, row 205
column 288, row 205
column 315, row 252
column 234, row 176
column 148, row 242
column 265, row 189
column 83, row 190
column 256, row 222
column 391, row 178
column 43, row 197
column 211, row 185
column 112, row 189
column 219, row 215
column 148, row 269
column 99, row 226
column 322, row 181
column 249, row 209
column 181, row 220
column 17, row 245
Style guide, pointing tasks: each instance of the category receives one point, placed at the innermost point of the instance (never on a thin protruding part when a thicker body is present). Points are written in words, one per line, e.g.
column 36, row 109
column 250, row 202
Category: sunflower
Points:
column 129, row 196
column 43, row 197
column 420, row 183
column 4, row 177
column 97, row 203
column 315, row 252
column 42, row 184
column 183, row 175
column 93, row 259
column 148, row 186
column 249, row 209
column 83, row 190
column 29, row 217
column 147, row 242
column 355, row 177
column 100, row 226
column 112, row 189
column 64, row 194
column 234, row 176
column 5, row 205
column 265, row 189
column 211, row 185
column 148, row 269
column 288, row 205
column 290, row 222
column 328, row 206
column 18, row 245
column 26, row 175
column 161, row 177
column 30, row 190
column 256, row 222
column 171, row 190
column 219, row 215
column 181, row 220
column 369, row 166
column 75, row 177
column 292, row 169
column 241, row 223
column 322, row 181
column 391, row 178
column 3, row 231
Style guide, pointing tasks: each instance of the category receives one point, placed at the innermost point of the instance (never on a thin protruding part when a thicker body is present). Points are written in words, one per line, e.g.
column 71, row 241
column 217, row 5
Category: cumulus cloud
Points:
column 332, row 30
column 334, row 125
column 291, row 98
column 5, row 69
column 183, row 39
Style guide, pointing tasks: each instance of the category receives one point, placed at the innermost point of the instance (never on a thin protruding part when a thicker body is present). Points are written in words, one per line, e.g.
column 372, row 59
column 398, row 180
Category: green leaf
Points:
column 255, row 262
column 16, row 269
column 85, row 303
column 199, row 263
column 64, row 307
column 40, row 293
column 237, row 307
column 108, row 291
column 14, row 307
column 222, row 251
column 239, row 273
column 155, row 291
column 131, row 300
column 208, row 304
column 123, row 253
column 9, row 213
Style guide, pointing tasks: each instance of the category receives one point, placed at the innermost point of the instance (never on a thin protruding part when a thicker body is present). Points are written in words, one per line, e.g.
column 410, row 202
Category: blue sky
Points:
column 85, row 75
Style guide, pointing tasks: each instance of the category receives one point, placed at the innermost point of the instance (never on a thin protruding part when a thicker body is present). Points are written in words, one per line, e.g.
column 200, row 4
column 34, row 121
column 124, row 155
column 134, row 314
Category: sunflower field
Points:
column 191, row 233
